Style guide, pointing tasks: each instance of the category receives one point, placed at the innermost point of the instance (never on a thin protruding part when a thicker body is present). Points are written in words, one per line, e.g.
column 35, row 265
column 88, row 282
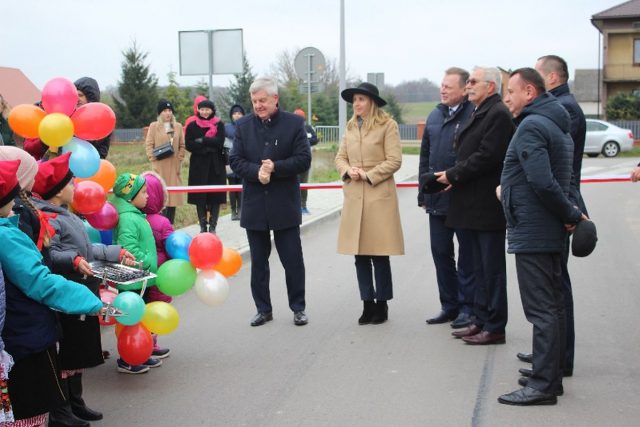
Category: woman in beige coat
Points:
column 165, row 130
column 370, row 229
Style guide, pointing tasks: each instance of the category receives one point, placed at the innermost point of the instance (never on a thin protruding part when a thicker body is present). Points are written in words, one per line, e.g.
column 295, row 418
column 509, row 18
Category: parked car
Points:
column 606, row 139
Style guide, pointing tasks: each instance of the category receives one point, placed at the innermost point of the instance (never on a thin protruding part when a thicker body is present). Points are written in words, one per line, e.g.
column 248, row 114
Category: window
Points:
column 595, row 126
column 636, row 51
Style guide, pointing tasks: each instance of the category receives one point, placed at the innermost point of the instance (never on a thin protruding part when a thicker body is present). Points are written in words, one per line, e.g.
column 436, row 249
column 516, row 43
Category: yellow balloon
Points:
column 55, row 129
column 160, row 318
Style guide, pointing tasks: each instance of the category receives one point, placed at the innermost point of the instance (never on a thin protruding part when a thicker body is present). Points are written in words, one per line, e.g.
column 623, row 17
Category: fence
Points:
column 128, row 135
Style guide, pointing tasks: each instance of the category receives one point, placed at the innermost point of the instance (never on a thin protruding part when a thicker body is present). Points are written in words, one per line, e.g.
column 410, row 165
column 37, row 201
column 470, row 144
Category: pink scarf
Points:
column 210, row 124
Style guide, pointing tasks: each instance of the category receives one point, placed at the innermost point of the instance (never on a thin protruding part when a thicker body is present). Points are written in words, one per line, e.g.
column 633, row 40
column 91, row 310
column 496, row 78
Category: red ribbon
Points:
column 44, row 218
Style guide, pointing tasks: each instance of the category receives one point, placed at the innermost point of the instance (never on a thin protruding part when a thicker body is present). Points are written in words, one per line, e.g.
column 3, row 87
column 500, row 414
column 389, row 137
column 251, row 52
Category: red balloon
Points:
column 205, row 251
column 88, row 197
column 108, row 297
column 93, row 121
column 135, row 344
column 105, row 219
column 59, row 95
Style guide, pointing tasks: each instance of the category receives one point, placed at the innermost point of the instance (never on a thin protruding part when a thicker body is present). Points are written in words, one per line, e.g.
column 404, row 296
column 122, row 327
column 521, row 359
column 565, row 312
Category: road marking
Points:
column 477, row 420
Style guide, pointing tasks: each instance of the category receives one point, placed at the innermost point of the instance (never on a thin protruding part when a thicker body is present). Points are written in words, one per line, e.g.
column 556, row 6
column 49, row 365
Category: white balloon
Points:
column 211, row 287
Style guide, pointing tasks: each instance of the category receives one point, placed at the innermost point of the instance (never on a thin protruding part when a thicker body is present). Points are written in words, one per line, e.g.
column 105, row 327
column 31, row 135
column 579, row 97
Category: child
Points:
column 71, row 251
column 134, row 233
column 162, row 228
column 30, row 331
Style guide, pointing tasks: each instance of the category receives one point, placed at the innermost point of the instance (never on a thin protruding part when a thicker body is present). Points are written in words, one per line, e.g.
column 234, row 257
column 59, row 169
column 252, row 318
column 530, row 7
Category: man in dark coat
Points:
column 480, row 148
column 534, row 191
column 455, row 286
column 270, row 150
column 555, row 73
column 89, row 91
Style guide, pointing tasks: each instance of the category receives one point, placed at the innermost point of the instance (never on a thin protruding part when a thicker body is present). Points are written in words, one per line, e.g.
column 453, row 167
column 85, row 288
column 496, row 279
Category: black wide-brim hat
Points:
column 430, row 185
column 584, row 238
column 365, row 89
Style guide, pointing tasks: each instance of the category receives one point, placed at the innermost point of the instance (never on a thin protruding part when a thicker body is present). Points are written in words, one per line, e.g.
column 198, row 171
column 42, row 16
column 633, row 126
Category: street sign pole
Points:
column 342, row 105
column 210, row 43
column 309, row 112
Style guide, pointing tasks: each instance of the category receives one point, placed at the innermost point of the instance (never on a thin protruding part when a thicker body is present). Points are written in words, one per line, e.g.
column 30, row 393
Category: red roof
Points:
column 16, row 88
column 629, row 9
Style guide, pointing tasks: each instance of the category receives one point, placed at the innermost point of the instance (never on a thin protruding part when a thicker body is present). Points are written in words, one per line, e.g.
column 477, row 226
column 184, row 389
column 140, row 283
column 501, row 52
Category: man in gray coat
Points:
column 534, row 191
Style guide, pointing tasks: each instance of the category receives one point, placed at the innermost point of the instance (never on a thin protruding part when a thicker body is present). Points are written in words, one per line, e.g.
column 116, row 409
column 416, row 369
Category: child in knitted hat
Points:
column 134, row 233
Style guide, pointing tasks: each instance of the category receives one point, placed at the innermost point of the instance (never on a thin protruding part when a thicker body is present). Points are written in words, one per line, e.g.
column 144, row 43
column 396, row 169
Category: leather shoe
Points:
column 442, row 317
column 527, row 372
column 485, row 338
column 261, row 318
column 523, row 381
column 300, row 318
column 525, row 357
column 467, row 332
column 462, row 321
column 527, row 396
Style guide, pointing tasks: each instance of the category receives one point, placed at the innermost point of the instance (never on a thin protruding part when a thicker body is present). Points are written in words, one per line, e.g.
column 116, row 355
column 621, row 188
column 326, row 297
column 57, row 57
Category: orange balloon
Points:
column 106, row 175
column 230, row 262
column 25, row 119
column 119, row 327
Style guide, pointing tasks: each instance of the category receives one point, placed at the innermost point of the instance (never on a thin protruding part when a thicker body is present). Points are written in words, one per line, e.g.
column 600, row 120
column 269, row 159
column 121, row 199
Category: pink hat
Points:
column 28, row 165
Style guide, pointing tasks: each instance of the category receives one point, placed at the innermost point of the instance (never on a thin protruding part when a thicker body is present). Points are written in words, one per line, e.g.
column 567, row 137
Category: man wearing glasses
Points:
column 480, row 146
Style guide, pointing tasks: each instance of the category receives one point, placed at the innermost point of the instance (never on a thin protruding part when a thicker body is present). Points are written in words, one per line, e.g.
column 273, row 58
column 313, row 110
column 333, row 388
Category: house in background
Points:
column 16, row 88
column 620, row 28
column 585, row 89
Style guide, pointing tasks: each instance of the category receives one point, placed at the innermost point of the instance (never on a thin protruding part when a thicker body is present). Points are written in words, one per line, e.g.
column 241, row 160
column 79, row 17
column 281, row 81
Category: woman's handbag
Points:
column 163, row 151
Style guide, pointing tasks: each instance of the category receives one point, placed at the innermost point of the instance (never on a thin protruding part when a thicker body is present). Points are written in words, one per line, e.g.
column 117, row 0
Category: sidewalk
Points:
column 323, row 205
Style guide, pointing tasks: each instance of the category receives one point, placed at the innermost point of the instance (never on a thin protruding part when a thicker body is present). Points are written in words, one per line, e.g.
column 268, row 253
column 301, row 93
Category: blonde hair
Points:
column 5, row 108
column 24, row 196
column 376, row 117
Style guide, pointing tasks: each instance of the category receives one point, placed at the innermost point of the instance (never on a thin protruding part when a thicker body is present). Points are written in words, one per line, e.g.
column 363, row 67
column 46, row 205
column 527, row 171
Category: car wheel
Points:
column 610, row 149
column 592, row 154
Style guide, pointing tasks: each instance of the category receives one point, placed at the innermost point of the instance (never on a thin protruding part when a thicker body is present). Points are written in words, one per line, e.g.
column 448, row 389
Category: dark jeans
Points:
column 456, row 286
column 490, row 273
column 170, row 213
column 368, row 266
column 540, row 282
column 290, row 252
column 304, row 177
column 235, row 198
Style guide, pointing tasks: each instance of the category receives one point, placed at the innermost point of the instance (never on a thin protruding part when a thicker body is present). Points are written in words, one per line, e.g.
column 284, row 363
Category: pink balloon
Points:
column 59, row 95
column 93, row 121
column 105, row 219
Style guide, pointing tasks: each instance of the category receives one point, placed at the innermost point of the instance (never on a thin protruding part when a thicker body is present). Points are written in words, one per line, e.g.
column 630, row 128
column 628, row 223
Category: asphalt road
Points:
column 332, row 372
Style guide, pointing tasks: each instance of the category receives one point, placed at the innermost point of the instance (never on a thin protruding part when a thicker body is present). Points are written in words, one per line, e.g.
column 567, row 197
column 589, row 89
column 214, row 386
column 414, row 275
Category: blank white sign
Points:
column 226, row 50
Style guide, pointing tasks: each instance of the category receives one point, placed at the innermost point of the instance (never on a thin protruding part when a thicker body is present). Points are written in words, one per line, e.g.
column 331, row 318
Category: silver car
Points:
column 606, row 139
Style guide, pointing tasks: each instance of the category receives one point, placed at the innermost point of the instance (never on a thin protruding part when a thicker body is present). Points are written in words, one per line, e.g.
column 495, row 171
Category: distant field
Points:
column 416, row 112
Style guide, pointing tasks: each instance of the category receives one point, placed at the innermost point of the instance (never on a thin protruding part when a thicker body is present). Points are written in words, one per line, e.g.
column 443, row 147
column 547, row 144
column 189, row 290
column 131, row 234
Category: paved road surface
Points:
column 333, row 372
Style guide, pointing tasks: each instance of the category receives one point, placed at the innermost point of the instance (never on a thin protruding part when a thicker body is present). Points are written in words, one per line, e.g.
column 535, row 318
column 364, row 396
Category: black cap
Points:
column 163, row 104
column 584, row 238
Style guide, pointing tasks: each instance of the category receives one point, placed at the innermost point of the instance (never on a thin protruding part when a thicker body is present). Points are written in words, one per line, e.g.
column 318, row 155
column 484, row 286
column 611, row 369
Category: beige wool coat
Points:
column 370, row 221
column 168, row 168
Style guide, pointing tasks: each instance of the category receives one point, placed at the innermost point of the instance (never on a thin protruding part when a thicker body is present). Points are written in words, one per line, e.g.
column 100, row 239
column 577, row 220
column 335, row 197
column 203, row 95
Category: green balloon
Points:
column 94, row 235
column 176, row 277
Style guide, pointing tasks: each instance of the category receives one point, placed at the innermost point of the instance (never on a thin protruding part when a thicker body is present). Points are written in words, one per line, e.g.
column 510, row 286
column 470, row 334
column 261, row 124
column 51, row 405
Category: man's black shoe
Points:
column 261, row 318
column 525, row 372
column 462, row 321
column 299, row 318
column 442, row 317
column 523, row 381
column 527, row 396
column 525, row 357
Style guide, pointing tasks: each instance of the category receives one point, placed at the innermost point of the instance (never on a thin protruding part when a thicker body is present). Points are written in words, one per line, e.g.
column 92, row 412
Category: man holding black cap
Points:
column 455, row 286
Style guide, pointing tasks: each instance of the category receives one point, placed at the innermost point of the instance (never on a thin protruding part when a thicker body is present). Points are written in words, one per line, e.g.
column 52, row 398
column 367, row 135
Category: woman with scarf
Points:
column 205, row 141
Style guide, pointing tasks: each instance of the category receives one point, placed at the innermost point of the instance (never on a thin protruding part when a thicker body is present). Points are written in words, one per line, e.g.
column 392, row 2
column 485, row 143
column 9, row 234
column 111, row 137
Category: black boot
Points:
column 78, row 407
column 381, row 313
column 201, row 209
column 213, row 218
column 63, row 416
column 367, row 312
column 203, row 225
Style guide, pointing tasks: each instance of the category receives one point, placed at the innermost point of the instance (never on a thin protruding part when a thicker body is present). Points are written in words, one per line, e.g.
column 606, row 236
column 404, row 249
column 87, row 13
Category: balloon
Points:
column 107, row 297
column 106, row 236
column 230, row 262
column 119, row 327
column 175, row 277
column 177, row 245
column 94, row 235
column 135, row 344
column 55, row 129
column 160, row 318
column 106, row 175
column 59, row 95
column 24, row 120
column 205, row 251
column 93, row 121
column 85, row 160
column 211, row 287
column 105, row 219
column 132, row 305
column 88, row 197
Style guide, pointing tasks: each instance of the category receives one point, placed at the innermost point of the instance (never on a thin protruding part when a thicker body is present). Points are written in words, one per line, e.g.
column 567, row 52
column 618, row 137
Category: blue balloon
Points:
column 94, row 235
column 132, row 305
column 85, row 160
column 177, row 245
column 106, row 237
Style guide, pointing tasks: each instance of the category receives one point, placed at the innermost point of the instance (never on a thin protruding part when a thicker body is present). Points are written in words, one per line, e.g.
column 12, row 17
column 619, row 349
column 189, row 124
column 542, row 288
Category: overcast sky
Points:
column 405, row 39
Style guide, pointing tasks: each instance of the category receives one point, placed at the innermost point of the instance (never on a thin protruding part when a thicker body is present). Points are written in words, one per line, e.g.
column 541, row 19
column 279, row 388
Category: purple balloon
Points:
column 59, row 95
column 105, row 219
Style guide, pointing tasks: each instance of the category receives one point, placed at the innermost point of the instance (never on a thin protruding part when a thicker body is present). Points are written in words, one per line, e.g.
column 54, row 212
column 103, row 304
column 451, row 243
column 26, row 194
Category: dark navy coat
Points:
column 536, row 179
column 283, row 139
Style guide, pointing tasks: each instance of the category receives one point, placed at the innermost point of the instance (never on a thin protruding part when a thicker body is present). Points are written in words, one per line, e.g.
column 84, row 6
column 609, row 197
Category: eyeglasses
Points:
column 473, row 82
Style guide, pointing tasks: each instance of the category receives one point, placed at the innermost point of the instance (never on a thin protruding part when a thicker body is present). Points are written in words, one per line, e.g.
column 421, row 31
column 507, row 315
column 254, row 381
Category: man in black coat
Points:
column 480, row 147
column 534, row 191
column 269, row 151
column 455, row 285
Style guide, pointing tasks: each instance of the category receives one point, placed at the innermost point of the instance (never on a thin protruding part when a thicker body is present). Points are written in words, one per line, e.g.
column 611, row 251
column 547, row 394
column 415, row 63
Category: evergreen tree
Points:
column 393, row 107
column 137, row 91
column 238, row 92
column 179, row 97
column 623, row 106
column 202, row 88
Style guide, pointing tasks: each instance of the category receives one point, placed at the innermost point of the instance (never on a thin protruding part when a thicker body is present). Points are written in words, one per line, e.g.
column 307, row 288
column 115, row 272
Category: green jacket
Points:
column 134, row 234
